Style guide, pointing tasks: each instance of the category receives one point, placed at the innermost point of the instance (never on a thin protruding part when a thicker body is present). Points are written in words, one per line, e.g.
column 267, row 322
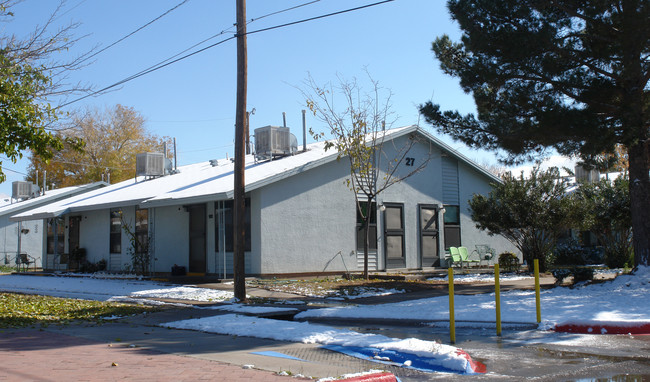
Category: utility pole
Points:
column 240, row 153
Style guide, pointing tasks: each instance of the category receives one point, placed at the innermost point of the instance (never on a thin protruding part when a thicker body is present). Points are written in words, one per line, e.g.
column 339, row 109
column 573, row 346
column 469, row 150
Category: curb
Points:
column 604, row 328
column 375, row 377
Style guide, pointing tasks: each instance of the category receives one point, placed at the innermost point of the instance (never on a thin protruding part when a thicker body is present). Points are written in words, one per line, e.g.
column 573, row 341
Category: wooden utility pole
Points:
column 240, row 153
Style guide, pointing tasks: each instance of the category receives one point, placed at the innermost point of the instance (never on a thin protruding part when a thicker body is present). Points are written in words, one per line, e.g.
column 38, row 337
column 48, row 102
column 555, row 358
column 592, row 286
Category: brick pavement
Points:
column 32, row 355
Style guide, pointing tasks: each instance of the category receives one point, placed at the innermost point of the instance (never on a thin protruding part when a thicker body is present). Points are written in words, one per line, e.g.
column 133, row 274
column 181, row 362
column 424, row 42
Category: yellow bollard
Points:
column 497, row 297
column 537, row 302
column 452, row 320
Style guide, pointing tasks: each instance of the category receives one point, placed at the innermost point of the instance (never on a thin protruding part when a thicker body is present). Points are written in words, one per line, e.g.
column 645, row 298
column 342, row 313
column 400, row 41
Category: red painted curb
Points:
column 375, row 377
column 607, row 328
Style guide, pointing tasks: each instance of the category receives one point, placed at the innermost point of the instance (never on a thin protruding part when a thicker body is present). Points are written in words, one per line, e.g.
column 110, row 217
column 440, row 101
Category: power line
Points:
column 208, row 149
column 166, row 62
column 142, row 73
column 90, row 165
column 282, row 11
column 319, row 17
column 17, row 172
column 135, row 31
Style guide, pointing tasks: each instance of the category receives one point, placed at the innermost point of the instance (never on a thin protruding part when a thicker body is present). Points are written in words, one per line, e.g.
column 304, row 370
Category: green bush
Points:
column 582, row 274
column 616, row 256
column 572, row 253
column 508, row 262
column 579, row 274
column 560, row 274
column 88, row 267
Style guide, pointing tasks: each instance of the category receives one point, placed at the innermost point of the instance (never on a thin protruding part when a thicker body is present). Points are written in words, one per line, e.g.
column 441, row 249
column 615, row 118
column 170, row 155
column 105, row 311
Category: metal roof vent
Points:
column 150, row 164
column 273, row 141
column 23, row 190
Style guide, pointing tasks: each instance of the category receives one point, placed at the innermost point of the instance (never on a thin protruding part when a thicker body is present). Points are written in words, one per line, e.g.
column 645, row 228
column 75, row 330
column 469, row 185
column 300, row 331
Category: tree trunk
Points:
column 366, row 242
column 633, row 111
column 638, row 155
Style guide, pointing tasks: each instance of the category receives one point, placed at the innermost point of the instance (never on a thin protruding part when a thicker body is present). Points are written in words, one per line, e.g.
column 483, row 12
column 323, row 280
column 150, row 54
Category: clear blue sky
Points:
column 194, row 100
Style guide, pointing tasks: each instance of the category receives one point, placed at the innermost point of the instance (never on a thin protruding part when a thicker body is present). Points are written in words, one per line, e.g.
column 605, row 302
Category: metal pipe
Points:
column 284, row 119
column 175, row 154
column 304, row 130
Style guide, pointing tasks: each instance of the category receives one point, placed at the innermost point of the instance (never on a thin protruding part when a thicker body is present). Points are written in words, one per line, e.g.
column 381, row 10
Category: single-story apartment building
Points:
column 301, row 216
column 29, row 236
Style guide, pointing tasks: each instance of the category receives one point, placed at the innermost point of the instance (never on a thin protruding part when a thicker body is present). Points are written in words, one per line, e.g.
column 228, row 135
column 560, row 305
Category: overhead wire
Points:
column 135, row 31
column 318, row 17
column 167, row 62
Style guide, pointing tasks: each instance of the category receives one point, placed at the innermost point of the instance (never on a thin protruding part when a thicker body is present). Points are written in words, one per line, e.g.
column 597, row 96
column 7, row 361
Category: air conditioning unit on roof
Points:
column 586, row 175
column 23, row 190
column 150, row 164
column 274, row 141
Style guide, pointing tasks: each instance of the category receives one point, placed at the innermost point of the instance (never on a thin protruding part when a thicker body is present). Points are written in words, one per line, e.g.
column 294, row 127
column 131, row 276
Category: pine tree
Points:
column 567, row 75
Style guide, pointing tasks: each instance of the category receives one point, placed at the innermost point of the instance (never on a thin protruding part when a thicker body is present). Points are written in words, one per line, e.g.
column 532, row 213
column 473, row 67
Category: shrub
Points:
column 582, row 274
column 570, row 253
column 579, row 274
column 508, row 262
column 560, row 274
column 616, row 256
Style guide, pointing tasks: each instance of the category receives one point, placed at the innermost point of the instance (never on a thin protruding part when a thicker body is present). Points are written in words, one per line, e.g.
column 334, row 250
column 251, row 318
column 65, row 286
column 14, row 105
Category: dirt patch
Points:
column 345, row 288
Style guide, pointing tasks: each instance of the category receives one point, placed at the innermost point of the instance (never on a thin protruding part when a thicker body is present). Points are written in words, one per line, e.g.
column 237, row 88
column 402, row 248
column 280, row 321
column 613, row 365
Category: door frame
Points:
column 199, row 263
column 429, row 233
column 394, row 263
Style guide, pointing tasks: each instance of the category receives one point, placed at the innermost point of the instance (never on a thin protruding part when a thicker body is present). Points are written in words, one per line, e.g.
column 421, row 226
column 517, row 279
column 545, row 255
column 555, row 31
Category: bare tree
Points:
column 358, row 130
column 31, row 77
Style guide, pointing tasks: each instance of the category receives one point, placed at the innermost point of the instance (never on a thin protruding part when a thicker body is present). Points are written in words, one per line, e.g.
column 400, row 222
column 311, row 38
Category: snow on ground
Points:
column 363, row 292
column 437, row 354
column 482, row 278
column 622, row 300
column 107, row 289
column 238, row 308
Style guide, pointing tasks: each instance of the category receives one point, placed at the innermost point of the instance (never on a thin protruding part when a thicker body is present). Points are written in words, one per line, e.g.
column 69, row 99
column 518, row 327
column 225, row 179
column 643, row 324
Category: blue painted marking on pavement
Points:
column 277, row 355
column 391, row 357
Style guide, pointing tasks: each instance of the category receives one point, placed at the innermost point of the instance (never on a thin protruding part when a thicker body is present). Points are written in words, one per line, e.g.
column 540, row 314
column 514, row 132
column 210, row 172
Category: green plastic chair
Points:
column 455, row 257
column 464, row 256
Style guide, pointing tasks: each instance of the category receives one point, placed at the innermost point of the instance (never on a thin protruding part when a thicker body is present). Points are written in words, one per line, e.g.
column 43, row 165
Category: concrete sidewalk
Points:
column 145, row 351
column 32, row 355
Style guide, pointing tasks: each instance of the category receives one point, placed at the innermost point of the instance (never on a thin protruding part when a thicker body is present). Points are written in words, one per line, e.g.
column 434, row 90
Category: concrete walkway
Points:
column 32, row 355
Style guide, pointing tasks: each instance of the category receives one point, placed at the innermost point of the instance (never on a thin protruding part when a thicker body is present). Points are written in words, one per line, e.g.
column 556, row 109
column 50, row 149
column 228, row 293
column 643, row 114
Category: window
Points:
column 452, row 226
column 229, row 229
column 142, row 230
column 116, row 231
column 372, row 228
column 394, row 230
column 55, row 235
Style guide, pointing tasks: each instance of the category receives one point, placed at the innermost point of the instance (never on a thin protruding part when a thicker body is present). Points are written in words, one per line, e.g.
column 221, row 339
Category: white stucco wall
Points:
column 306, row 220
column 30, row 242
column 94, row 235
column 171, row 237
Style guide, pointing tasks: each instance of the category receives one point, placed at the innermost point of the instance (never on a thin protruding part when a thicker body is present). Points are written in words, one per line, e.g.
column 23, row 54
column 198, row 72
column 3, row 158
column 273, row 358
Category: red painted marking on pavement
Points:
column 375, row 377
column 593, row 328
column 477, row 366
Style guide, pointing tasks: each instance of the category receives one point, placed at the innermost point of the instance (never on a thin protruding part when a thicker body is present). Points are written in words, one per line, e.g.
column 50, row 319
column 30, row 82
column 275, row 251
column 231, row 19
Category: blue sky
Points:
column 194, row 100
